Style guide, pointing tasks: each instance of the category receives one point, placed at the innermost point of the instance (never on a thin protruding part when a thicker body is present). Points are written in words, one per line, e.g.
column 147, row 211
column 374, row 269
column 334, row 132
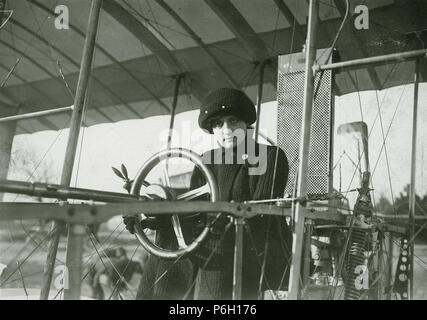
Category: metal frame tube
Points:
column 75, row 236
column 57, row 191
column 298, row 234
column 36, row 114
column 401, row 56
column 413, row 179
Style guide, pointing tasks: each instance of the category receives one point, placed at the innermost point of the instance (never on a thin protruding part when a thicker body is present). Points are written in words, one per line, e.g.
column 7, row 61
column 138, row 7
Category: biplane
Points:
column 69, row 64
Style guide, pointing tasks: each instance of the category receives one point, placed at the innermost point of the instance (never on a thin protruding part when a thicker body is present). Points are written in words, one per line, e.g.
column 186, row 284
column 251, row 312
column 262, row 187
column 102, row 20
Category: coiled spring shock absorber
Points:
column 357, row 277
column 356, row 269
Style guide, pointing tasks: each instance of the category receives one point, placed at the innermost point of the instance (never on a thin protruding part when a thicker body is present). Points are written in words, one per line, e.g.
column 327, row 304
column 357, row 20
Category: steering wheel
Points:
column 210, row 187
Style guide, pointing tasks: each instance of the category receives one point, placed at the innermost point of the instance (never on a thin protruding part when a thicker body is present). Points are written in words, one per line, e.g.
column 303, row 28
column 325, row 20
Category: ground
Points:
column 32, row 269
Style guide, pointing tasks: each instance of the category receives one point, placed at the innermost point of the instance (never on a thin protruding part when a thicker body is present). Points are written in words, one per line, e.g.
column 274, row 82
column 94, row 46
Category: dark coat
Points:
column 212, row 263
column 237, row 184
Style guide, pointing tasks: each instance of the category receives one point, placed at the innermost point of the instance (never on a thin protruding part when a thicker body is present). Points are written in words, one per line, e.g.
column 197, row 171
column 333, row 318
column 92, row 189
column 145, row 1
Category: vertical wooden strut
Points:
column 7, row 130
column 175, row 220
column 259, row 98
column 298, row 233
column 389, row 272
column 238, row 259
column 75, row 232
column 173, row 110
column 413, row 176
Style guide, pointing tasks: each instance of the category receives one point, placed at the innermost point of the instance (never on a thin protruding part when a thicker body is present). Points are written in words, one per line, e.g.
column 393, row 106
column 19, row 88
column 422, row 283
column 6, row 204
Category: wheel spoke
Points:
column 178, row 232
column 194, row 193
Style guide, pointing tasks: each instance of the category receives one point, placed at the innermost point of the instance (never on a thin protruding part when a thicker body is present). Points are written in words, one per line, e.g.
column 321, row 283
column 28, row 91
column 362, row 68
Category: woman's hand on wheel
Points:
column 130, row 222
column 153, row 223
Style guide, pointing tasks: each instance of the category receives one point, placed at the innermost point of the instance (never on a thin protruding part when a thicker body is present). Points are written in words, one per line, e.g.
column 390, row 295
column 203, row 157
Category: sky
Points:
column 132, row 142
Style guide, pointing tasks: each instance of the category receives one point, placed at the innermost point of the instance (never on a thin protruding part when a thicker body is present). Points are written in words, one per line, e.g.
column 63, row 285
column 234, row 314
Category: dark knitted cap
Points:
column 226, row 101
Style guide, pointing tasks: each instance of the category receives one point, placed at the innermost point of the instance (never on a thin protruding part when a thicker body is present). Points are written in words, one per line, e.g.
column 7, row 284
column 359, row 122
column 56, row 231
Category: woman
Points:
column 244, row 170
column 252, row 173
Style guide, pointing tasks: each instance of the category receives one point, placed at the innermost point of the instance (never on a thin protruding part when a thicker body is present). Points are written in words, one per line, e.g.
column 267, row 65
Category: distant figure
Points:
column 112, row 273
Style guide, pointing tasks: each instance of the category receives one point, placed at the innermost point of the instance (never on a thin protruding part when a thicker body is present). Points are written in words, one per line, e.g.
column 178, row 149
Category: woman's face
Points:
column 229, row 131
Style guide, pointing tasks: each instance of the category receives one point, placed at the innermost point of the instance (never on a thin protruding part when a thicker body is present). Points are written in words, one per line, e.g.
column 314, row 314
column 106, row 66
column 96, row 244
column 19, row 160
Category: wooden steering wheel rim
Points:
column 146, row 243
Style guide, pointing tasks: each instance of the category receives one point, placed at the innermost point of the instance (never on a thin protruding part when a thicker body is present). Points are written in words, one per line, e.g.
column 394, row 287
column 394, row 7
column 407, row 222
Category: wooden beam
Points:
column 412, row 193
column 106, row 53
column 198, row 40
column 71, row 60
column 134, row 26
column 90, row 214
column 34, row 62
column 290, row 17
column 26, row 83
column 45, row 122
column 232, row 18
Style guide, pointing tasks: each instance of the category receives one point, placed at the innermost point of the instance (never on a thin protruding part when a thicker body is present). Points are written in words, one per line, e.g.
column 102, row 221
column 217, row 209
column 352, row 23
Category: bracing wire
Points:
column 27, row 257
column 358, row 95
column 286, row 251
column 370, row 131
column 149, row 21
column 385, row 147
column 261, row 264
column 60, row 131
column 342, row 259
column 7, row 19
column 9, row 74
column 105, row 242
column 22, row 279
column 164, row 273
column 381, row 124
column 334, row 41
column 389, row 127
column 28, row 234
column 421, row 261
column 84, row 113
column 273, row 45
column 93, row 240
column 267, row 238
column 57, row 135
column 360, row 107
column 38, row 31
column 91, row 266
column 58, row 67
column 217, row 246
column 121, row 275
column 248, row 76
